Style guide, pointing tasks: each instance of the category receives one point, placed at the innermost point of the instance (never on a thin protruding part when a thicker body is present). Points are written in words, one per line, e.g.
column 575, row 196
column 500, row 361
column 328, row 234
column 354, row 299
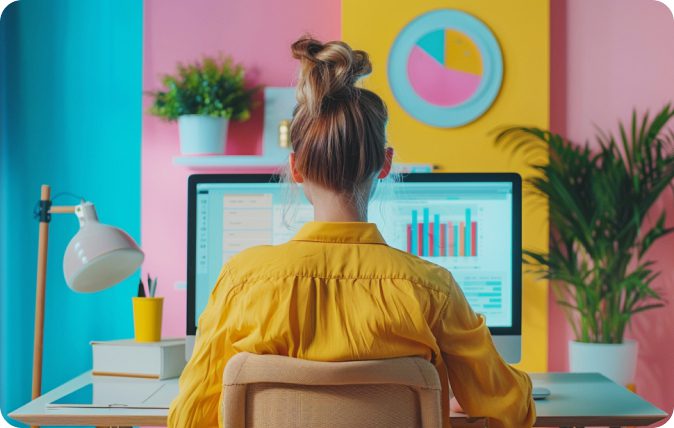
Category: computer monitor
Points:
column 467, row 223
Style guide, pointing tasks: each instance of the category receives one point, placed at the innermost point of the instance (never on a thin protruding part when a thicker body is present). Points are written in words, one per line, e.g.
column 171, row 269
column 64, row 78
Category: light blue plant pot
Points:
column 202, row 135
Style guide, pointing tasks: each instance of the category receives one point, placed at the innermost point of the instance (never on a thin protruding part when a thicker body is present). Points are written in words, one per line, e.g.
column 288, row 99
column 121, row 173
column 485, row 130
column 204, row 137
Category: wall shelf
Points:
column 221, row 161
column 254, row 161
column 279, row 103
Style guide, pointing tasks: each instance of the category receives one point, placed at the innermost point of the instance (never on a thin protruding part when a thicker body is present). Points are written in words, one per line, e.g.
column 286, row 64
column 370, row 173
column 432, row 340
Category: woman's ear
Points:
column 388, row 162
column 297, row 177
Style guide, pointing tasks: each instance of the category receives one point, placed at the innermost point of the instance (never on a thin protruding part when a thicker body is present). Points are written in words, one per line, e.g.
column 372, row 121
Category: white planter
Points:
column 617, row 362
column 201, row 135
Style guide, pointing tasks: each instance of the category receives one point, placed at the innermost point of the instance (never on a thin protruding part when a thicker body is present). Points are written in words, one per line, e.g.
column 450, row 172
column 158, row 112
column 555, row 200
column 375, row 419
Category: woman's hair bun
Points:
column 328, row 71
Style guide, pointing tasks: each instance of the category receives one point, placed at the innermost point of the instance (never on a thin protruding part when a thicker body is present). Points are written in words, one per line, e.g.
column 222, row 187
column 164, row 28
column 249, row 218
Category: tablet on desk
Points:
column 147, row 395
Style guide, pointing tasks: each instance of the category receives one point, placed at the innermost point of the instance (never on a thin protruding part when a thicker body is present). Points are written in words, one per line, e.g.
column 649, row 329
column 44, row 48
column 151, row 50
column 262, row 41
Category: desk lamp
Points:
column 98, row 257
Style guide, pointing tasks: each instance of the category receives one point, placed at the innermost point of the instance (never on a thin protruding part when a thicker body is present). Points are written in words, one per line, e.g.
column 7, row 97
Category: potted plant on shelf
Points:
column 203, row 97
column 597, row 261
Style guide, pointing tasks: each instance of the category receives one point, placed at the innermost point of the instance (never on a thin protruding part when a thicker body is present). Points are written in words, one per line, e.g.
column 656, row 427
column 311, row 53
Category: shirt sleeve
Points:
column 483, row 383
column 200, row 384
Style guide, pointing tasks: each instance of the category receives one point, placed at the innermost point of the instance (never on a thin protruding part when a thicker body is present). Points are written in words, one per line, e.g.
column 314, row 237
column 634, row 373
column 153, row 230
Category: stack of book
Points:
column 128, row 358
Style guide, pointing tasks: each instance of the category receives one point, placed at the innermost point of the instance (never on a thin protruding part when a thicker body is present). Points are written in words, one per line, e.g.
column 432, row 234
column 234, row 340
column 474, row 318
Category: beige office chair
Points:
column 276, row 391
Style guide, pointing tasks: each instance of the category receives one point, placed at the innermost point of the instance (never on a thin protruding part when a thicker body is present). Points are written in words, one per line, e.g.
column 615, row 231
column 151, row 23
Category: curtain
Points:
column 70, row 116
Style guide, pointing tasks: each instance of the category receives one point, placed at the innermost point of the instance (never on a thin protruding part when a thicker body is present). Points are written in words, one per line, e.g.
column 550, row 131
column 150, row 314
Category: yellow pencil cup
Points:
column 147, row 313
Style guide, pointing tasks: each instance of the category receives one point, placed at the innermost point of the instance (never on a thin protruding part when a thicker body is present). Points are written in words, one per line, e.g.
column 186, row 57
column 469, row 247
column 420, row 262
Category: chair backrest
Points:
column 277, row 391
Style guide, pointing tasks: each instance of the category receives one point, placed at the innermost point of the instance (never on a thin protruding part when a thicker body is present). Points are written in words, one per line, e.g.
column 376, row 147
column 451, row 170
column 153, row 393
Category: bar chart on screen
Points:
column 468, row 234
column 446, row 233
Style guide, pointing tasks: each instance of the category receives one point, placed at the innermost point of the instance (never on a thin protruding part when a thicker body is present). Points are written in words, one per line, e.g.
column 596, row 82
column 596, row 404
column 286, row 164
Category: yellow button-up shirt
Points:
column 337, row 292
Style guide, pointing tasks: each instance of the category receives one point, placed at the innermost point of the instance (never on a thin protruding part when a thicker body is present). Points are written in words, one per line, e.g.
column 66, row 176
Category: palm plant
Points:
column 598, row 201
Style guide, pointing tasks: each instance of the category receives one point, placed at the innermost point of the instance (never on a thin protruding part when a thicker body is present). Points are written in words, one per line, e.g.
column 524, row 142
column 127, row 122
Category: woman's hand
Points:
column 454, row 406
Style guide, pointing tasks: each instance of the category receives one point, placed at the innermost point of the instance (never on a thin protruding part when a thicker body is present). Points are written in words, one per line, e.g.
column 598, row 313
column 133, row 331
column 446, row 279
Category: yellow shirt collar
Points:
column 340, row 232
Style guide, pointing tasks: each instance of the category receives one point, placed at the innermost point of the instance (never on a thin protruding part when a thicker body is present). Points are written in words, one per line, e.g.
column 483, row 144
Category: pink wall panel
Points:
column 257, row 33
column 608, row 57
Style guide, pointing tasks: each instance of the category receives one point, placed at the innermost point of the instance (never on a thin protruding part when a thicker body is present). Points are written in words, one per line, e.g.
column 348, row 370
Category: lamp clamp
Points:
column 43, row 213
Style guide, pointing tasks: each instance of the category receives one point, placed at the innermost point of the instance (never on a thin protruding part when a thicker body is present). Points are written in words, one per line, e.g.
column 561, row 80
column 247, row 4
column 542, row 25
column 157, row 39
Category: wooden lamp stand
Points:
column 111, row 256
column 46, row 210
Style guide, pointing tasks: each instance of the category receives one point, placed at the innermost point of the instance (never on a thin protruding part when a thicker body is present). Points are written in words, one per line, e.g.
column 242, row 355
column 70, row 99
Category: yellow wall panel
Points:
column 522, row 30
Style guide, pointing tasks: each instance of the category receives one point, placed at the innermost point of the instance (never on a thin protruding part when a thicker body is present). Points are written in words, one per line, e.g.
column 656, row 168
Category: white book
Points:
column 128, row 358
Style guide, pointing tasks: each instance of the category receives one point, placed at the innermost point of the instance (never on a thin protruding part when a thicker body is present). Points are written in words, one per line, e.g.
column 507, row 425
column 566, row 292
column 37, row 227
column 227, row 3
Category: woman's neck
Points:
column 336, row 207
column 339, row 212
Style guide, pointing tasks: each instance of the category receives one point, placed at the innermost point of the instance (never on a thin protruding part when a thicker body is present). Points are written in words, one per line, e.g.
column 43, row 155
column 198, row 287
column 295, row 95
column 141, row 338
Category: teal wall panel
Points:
column 70, row 116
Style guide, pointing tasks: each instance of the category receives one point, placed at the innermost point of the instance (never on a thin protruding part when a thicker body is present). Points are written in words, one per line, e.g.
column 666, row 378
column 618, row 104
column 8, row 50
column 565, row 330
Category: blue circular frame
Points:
column 492, row 66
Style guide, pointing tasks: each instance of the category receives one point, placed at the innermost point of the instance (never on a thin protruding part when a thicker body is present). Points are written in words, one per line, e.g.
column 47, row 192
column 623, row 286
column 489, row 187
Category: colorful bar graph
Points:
column 415, row 242
column 473, row 239
column 427, row 219
column 436, row 234
column 420, row 231
column 409, row 239
column 462, row 239
column 450, row 229
column 443, row 240
column 467, row 241
column 426, row 238
column 432, row 238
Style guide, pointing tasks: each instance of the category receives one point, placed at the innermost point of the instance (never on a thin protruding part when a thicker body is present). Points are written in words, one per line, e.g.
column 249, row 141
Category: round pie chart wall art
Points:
column 445, row 68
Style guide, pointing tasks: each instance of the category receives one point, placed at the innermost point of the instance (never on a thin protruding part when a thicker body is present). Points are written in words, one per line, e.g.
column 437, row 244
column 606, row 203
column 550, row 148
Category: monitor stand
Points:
column 510, row 348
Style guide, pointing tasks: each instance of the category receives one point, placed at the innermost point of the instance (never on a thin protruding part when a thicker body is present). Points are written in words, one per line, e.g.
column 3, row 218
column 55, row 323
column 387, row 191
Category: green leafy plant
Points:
column 212, row 87
column 598, row 201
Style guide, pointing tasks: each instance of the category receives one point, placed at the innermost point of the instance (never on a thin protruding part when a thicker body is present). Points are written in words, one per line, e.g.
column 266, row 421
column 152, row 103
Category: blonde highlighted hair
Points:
column 338, row 130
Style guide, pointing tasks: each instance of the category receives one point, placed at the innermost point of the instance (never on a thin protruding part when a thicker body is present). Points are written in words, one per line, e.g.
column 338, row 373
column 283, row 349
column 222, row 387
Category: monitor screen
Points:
column 466, row 223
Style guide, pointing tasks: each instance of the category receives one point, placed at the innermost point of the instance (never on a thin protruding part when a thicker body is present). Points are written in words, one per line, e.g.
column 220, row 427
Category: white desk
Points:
column 37, row 413
column 590, row 399
column 577, row 400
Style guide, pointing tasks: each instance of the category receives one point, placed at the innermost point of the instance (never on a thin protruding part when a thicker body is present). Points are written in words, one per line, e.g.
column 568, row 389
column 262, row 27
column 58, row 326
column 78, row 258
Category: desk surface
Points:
column 590, row 399
column 578, row 399
column 36, row 413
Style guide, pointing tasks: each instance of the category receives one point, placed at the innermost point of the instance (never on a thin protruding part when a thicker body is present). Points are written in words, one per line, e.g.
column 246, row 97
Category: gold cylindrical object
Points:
column 284, row 134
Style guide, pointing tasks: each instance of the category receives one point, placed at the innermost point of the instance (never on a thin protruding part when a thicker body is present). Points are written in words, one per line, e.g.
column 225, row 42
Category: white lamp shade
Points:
column 99, row 256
